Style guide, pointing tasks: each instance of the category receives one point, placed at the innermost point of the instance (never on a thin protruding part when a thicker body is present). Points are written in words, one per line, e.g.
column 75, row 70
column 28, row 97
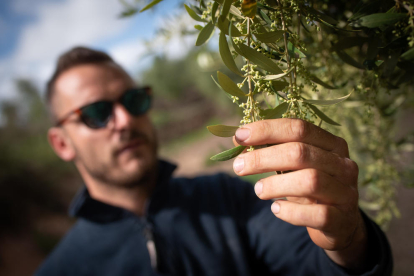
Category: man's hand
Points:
column 321, row 190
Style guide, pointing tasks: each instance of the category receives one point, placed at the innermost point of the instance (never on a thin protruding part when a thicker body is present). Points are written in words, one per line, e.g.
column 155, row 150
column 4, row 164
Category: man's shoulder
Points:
column 63, row 254
column 86, row 240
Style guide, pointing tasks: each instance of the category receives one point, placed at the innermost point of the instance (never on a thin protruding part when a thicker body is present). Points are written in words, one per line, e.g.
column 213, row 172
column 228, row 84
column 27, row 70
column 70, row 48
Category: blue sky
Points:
column 33, row 33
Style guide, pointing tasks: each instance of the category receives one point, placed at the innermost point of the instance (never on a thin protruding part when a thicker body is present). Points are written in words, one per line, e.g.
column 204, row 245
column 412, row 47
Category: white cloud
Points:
column 63, row 25
column 58, row 26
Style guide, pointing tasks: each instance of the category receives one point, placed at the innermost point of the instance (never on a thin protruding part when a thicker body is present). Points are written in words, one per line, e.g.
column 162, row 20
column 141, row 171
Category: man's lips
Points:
column 131, row 145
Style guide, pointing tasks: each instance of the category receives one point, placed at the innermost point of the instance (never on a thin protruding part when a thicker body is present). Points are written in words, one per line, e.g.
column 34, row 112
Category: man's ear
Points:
column 61, row 144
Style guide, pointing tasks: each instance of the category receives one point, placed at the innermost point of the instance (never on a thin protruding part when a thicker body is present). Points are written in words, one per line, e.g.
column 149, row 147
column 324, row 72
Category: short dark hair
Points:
column 74, row 57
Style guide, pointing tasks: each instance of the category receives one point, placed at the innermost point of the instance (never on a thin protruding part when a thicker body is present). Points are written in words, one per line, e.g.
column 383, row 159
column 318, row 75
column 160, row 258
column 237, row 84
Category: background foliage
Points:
column 334, row 47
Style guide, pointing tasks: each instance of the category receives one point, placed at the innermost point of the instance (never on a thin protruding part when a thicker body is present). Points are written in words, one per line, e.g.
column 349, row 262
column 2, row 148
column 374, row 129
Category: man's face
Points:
column 124, row 152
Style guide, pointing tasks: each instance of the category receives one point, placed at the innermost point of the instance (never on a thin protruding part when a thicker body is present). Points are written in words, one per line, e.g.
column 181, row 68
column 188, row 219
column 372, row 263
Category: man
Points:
column 134, row 219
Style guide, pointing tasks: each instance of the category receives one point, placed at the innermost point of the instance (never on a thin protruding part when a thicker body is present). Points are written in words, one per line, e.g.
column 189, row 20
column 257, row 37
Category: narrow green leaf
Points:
column 322, row 115
column 261, row 6
column 409, row 55
column 259, row 59
column 205, row 34
column 226, row 54
column 379, row 20
column 363, row 8
column 226, row 8
column 214, row 11
column 228, row 154
column 150, row 5
column 193, row 14
column 295, row 52
column 249, row 8
column 278, row 76
column 233, row 9
column 279, row 85
column 276, row 112
column 321, row 16
column 349, row 60
column 224, row 27
column 270, row 37
column 327, row 102
column 129, row 12
column 349, row 42
column 198, row 27
column 229, row 86
column 221, row 88
column 236, row 12
column 222, row 130
column 265, row 17
column 317, row 80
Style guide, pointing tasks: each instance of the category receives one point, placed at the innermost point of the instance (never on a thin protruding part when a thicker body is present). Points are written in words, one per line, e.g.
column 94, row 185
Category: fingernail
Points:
column 242, row 134
column 238, row 164
column 258, row 188
column 275, row 208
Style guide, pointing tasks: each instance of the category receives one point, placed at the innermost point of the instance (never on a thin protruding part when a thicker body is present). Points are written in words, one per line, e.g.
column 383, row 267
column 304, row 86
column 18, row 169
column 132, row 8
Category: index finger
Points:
column 279, row 131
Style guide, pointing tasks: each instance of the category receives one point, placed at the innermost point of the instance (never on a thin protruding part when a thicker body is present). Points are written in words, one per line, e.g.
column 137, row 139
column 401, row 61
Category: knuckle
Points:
column 298, row 129
column 322, row 216
column 313, row 183
column 353, row 169
column 266, row 129
column 299, row 153
column 255, row 159
column 343, row 145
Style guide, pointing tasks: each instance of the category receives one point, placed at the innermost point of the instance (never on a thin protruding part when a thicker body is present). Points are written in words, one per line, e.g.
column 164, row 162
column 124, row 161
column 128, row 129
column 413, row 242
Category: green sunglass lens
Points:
column 97, row 115
column 137, row 101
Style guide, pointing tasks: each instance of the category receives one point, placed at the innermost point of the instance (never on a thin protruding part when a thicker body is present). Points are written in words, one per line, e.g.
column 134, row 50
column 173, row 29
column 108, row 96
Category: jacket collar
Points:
column 85, row 206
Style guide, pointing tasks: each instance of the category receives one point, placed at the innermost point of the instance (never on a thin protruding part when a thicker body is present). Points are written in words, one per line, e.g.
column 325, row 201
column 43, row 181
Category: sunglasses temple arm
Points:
column 66, row 118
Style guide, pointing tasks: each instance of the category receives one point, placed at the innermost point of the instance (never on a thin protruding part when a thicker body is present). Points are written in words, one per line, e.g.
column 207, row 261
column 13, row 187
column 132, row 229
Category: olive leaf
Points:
column 226, row 54
column 150, row 5
column 229, row 86
column 265, row 17
column 409, row 55
column 321, row 16
column 270, row 37
column 205, row 34
column 258, row 58
column 349, row 60
column 129, row 12
column 317, row 80
column 349, row 42
column 295, row 52
column 213, row 11
column 279, row 85
column 226, row 8
column 198, row 27
column 377, row 20
column 222, row 130
column 224, row 27
column 274, row 113
column 327, row 102
column 221, row 88
column 193, row 14
column 233, row 9
column 322, row 115
column 278, row 76
column 228, row 154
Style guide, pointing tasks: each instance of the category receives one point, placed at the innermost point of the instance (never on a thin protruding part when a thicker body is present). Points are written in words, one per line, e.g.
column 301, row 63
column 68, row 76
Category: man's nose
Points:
column 121, row 117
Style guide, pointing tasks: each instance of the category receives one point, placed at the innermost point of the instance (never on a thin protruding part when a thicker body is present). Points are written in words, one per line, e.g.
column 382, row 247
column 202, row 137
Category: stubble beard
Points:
column 146, row 173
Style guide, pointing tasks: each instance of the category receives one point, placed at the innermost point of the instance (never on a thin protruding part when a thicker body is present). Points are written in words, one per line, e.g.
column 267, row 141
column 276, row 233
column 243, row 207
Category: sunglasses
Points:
column 96, row 115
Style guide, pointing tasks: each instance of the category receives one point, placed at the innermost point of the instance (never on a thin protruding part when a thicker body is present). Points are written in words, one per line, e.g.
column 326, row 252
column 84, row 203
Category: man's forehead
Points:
column 87, row 83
